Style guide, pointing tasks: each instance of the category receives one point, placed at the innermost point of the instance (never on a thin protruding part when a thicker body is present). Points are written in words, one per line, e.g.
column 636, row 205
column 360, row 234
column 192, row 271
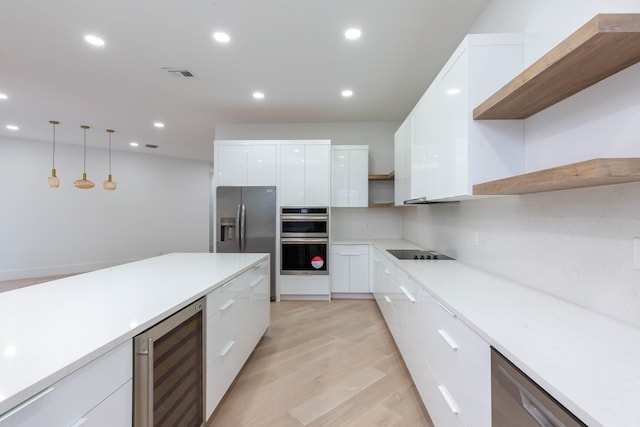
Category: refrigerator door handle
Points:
column 237, row 233
column 243, row 223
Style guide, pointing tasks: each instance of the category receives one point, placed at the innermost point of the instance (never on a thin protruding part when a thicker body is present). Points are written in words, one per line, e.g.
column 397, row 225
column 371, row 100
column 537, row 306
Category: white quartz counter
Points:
column 587, row 361
column 49, row 330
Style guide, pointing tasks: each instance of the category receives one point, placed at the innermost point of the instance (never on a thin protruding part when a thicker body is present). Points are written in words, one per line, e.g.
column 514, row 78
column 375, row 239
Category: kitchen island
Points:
column 51, row 330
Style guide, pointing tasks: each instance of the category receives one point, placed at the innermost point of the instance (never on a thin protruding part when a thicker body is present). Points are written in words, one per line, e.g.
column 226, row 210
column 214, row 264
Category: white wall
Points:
column 574, row 244
column 161, row 205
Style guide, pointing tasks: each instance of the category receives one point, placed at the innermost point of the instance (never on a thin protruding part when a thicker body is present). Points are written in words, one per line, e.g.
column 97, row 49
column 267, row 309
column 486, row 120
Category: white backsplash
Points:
column 366, row 223
column 575, row 244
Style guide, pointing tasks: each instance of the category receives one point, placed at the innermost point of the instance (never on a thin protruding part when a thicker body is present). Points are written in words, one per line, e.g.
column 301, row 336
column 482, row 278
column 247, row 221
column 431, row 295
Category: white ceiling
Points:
column 292, row 50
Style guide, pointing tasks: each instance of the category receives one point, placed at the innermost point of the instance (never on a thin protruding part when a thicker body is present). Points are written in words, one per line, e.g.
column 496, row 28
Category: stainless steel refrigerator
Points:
column 246, row 222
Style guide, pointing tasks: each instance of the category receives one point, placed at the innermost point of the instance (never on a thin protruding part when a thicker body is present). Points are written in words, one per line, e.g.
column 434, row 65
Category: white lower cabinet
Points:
column 448, row 362
column 237, row 317
column 98, row 394
column 349, row 268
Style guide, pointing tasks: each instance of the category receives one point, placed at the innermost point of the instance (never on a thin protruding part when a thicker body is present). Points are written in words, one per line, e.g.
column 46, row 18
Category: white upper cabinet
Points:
column 242, row 163
column 304, row 174
column 440, row 151
column 350, row 175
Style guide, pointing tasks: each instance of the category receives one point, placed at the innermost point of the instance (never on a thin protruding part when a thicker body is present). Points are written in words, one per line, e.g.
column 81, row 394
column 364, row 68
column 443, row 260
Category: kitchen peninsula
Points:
column 74, row 334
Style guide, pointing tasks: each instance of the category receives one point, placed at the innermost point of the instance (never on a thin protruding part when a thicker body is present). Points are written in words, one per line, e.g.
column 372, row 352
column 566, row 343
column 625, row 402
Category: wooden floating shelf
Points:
column 606, row 44
column 589, row 173
column 383, row 177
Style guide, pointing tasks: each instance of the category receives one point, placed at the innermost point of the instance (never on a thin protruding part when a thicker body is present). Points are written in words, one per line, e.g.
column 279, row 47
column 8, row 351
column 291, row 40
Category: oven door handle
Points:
column 305, row 218
column 294, row 241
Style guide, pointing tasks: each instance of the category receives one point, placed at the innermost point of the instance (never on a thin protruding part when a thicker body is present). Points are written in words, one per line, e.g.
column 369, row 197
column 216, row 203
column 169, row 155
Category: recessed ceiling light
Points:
column 12, row 127
column 158, row 124
column 221, row 37
column 347, row 93
column 133, row 144
column 94, row 40
column 3, row 96
column 353, row 33
column 258, row 95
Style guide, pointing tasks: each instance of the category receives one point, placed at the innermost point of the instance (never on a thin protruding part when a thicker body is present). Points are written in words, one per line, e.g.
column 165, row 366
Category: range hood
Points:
column 425, row 201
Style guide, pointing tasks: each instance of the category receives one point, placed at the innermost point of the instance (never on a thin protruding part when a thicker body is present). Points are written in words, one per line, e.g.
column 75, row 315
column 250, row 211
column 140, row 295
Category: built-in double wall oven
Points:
column 304, row 240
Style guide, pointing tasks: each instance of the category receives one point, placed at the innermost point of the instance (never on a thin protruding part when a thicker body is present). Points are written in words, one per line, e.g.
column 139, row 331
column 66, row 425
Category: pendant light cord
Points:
column 54, row 147
column 110, row 152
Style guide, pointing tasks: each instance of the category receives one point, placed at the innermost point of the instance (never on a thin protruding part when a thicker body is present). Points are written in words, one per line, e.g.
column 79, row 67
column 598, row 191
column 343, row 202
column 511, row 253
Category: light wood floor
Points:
column 325, row 364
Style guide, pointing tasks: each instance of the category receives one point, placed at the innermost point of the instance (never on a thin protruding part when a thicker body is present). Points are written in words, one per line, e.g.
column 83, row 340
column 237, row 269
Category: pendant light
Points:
column 109, row 184
column 84, row 183
column 54, row 181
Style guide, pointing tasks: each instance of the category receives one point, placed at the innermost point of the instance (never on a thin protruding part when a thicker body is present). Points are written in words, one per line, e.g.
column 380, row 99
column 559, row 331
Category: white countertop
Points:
column 587, row 361
column 49, row 330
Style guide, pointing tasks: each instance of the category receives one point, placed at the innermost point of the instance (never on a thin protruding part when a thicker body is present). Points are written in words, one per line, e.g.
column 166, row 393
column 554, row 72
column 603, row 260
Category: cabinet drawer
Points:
column 460, row 359
column 115, row 411
column 65, row 402
column 442, row 406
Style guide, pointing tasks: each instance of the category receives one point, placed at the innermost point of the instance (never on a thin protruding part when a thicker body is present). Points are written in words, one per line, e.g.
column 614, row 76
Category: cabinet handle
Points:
column 451, row 313
column 387, row 272
column 26, row 403
column 227, row 304
column 348, row 254
column 387, row 299
column 79, row 422
column 453, row 406
column 253, row 285
column 408, row 294
column 448, row 339
column 226, row 348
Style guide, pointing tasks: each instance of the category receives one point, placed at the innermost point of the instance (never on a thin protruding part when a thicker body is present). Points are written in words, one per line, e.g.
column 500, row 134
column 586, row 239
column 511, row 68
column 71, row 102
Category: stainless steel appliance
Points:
column 246, row 222
column 518, row 401
column 304, row 240
column 418, row 254
column 168, row 379
column 304, row 222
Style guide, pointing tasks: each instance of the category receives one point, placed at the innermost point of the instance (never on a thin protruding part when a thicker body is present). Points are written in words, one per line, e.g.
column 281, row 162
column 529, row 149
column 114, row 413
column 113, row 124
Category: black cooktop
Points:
column 417, row 254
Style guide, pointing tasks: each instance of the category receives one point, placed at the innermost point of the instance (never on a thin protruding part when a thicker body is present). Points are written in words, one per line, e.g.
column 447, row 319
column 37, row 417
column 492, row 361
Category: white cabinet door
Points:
column 340, row 274
column 359, row 177
column 349, row 176
column 339, row 178
column 292, row 175
column 261, row 165
column 402, row 161
column 350, row 269
column 231, row 165
column 317, row 166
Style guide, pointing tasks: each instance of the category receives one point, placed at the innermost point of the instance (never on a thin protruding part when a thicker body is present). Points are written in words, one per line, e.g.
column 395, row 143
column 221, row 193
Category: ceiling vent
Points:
column 151, row 146
column 180, row 73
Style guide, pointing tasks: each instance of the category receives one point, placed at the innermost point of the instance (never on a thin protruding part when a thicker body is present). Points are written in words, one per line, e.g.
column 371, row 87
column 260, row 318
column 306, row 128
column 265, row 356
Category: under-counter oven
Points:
column 516, row 400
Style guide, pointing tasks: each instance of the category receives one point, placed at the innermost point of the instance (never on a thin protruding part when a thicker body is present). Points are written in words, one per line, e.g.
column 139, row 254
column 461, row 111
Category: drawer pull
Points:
column 447, row 338
column 453, row 406
column 79, row 422
column 408, row 294
column 26, row 403
column 226, row 348
column 253, row 285
column 452, row 314
column 227, row 304
column 387, row 272
column 387, row 299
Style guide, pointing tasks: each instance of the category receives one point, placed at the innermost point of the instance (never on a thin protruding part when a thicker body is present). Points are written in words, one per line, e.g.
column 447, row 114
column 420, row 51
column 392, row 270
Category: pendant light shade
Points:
column 54, row 181
column 84, row 183
column 109, row 184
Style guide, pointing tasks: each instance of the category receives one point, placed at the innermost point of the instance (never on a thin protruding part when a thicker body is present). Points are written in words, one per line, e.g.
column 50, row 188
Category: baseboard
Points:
column 305, row 297
column 359, row 295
